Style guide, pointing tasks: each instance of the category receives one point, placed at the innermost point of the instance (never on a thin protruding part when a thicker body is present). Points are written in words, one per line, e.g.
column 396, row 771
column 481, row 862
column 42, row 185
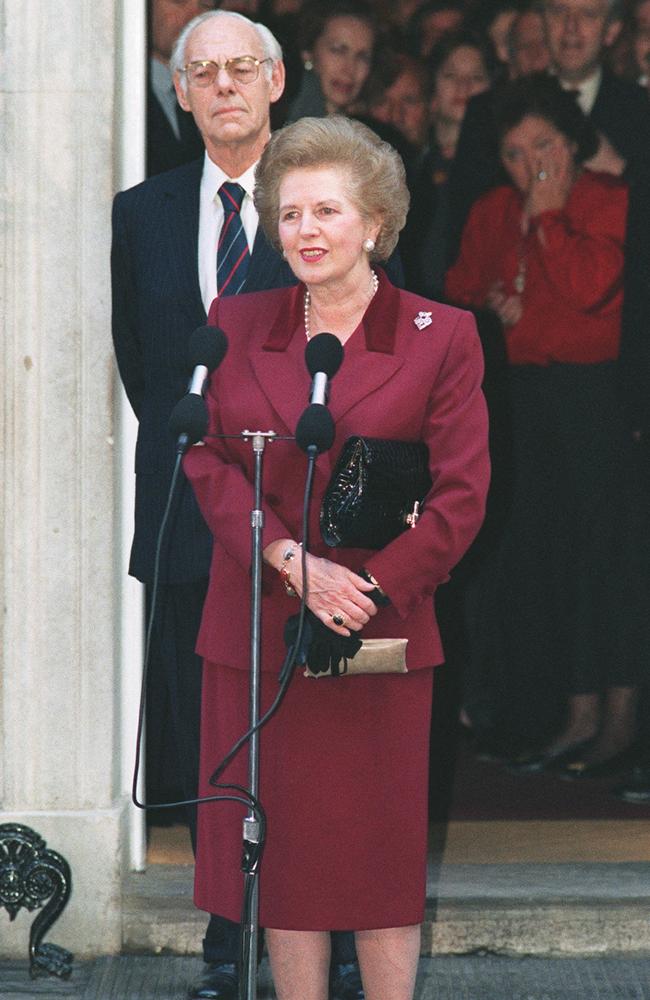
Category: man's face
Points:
column 641, row 48
column 642, row 15
column 230, row 114
column 168, row 18
column 530, row 53
column 498, row 32
column 577, row 32
column 405, row 106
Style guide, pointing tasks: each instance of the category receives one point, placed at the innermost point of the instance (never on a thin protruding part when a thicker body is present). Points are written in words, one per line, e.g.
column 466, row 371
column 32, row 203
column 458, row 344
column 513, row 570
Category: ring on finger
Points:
column 338, row 618
column 541, row 175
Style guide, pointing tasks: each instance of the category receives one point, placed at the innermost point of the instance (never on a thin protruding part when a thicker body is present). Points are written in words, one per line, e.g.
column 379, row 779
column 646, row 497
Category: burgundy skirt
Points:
column 343, row 781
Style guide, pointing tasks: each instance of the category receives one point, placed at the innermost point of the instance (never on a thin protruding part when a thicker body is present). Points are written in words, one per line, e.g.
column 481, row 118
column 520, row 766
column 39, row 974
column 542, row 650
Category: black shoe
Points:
column 345, row 982
column 635, row 786
column 579, row 770
column 548, row 760
column 220, row 981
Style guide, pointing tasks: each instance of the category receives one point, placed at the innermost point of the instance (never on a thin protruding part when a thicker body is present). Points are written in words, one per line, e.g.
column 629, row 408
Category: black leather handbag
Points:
column 375, row 492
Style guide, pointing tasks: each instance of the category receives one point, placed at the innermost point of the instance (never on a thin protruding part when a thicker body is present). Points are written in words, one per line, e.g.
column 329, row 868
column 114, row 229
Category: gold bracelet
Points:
column 287, row 556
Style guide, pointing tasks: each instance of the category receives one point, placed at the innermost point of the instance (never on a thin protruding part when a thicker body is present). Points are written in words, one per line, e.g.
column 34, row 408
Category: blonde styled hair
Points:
column 375, row 172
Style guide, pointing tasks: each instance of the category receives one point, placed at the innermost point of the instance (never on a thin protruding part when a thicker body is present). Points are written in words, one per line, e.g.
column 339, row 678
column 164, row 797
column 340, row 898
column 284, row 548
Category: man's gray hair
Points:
column 270, row 45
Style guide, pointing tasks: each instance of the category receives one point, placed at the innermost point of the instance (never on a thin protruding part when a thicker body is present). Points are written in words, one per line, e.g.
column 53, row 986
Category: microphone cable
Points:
column 245, row 797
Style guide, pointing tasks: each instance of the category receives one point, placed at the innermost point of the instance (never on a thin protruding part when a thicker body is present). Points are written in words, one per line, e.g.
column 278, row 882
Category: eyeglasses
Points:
column 240, row 69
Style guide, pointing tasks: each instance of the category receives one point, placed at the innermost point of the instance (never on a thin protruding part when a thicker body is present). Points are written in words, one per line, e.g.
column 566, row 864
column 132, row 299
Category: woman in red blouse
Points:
column 555, row 614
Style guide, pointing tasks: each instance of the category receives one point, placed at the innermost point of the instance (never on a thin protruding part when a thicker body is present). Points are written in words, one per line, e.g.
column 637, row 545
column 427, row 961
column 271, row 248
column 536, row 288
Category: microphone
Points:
column 315, row 429
column 189, row 418
column 323, row 357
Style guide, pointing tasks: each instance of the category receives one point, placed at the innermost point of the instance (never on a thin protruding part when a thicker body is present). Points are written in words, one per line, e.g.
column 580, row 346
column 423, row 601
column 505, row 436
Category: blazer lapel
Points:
column 370, row 359
column 281, row 382
column 359, row 376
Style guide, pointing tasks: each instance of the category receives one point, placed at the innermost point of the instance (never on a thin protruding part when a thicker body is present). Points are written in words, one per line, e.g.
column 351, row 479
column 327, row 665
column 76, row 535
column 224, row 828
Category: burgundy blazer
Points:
column 396, row 381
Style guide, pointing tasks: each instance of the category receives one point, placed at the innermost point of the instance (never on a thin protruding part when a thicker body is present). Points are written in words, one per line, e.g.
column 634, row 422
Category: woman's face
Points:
column 531, row 146
column 498, row 32
column 641, row 43
column 342, row 56
column 404, row 106
column 461, row 76
column 642, row 15
column 642, row 50
column 321, row 229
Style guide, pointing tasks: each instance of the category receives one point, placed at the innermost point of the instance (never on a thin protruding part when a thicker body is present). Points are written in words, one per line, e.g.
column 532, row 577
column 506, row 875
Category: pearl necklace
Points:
column 373, row 291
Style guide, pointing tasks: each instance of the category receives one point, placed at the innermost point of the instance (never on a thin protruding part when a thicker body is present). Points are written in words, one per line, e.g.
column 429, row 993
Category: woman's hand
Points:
column 552, row 179
column 332, row 589
column 507, row 307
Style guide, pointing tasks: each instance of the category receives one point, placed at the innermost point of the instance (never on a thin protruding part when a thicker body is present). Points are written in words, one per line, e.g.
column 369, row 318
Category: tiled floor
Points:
column 466, row 978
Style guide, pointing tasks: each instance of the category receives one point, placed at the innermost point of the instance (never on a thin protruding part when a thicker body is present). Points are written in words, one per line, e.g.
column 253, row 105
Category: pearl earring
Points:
column 368, row 245
column 308, row 64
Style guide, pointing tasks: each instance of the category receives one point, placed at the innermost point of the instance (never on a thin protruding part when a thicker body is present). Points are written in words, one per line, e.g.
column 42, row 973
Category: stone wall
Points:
column 60, row 758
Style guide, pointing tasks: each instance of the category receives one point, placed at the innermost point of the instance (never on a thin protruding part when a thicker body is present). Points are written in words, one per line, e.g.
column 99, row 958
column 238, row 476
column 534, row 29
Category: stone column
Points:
column 60, row 726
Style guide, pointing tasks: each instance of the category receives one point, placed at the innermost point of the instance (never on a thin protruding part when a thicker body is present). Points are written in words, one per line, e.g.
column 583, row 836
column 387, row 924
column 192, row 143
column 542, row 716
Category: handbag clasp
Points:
column 413, row 518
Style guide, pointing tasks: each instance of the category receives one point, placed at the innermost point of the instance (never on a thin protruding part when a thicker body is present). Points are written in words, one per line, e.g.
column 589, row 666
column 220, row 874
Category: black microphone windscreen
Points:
column 324, row 353
column 190, row 417
column 208, row 346
column 315, row 428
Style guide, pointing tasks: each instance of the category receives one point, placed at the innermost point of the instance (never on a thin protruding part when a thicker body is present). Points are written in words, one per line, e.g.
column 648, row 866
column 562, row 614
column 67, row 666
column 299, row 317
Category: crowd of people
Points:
column 492, row 156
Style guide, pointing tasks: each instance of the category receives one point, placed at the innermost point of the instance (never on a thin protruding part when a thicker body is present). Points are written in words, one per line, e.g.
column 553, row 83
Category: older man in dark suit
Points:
column 578, row 33
column 180, row 239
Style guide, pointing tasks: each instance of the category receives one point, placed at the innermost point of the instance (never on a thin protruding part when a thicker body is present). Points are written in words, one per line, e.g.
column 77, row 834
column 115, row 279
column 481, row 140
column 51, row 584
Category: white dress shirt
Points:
column 211, row 220
column 586, row 91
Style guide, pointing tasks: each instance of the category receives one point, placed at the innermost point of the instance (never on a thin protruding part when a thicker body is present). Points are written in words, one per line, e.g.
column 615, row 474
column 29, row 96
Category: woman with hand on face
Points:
column 337, row 41
column 344, row 761
column 556, row 613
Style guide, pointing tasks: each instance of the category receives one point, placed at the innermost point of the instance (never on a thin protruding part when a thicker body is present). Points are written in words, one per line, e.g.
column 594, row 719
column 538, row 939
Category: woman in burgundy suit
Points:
column 556, row 621
column 344, row 761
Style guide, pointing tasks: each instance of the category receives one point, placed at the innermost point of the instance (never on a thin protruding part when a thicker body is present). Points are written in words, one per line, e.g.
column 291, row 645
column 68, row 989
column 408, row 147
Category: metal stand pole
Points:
column 248, row 986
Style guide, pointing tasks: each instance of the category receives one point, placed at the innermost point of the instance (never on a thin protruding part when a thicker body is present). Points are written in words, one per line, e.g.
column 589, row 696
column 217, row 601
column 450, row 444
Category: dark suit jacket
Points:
column 156, row 306
column 621, row 112
column 164, row 150
column 396, row 381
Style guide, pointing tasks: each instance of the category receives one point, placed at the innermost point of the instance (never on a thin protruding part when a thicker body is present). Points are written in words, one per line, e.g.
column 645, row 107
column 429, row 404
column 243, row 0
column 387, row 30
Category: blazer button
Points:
column 272, row 500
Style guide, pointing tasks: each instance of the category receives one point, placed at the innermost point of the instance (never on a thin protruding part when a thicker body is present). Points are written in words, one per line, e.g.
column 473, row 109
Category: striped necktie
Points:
column 233, row 255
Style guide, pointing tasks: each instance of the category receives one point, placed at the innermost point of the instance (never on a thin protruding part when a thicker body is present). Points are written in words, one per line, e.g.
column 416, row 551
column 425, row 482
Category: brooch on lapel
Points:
column 422, row 320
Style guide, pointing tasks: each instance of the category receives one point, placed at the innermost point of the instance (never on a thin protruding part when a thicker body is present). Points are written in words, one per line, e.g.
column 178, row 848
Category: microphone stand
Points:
column 251, row 830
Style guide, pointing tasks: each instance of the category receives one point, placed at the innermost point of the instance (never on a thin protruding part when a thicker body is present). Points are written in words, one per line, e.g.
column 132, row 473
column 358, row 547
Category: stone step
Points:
column 568, row 909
